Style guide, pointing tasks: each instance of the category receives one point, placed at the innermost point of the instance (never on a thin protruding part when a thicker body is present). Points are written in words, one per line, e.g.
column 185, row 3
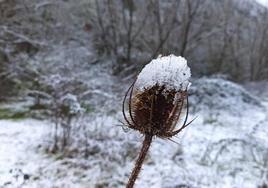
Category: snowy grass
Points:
column 111, row 156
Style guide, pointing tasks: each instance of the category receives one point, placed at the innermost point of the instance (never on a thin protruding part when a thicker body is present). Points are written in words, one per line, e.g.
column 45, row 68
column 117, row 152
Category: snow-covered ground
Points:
column 19, row 156
column 218, row 150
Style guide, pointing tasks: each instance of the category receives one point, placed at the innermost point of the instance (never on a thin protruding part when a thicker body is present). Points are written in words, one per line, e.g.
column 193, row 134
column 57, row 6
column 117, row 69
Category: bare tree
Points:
column 259, row 48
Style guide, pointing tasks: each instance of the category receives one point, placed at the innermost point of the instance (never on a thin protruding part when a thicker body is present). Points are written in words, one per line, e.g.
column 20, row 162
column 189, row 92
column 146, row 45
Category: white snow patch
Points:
column 169, row 71
column 18, row 154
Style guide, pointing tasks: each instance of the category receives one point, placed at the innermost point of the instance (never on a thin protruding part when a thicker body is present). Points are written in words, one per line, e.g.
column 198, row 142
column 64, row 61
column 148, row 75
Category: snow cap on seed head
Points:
column 169, row 71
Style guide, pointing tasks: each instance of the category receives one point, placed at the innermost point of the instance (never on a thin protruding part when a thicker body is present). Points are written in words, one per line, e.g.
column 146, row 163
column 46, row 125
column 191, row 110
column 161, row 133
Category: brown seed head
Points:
column 155, row 109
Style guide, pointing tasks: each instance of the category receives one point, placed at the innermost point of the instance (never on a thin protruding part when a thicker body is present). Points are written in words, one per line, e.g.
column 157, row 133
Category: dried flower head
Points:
column 156, row 101
column 158, row 96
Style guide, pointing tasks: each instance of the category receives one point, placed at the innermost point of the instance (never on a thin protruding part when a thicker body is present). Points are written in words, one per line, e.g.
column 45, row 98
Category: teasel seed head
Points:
column 156, row 101
column 158, row 97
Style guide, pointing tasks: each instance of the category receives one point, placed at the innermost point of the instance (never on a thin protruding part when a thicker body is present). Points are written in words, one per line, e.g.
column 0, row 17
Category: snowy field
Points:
column 221, row 148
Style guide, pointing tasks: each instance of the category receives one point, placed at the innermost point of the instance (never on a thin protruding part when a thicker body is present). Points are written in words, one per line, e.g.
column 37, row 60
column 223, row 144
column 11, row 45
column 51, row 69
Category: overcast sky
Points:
column 264, row 2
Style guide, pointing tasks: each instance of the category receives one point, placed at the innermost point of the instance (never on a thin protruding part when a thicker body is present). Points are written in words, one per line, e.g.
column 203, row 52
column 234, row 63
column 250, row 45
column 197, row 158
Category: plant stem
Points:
column 137, row 168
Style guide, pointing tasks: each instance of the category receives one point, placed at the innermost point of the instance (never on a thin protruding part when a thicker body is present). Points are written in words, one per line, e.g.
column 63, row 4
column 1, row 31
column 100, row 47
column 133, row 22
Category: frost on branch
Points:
column 70, row 102
column 171, row 71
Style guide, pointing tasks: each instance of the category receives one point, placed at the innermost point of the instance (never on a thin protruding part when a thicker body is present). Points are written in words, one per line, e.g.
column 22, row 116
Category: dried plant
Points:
column 156, row 101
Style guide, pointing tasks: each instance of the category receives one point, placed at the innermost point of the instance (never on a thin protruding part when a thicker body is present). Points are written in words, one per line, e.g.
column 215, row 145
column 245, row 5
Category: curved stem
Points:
column 137, row 168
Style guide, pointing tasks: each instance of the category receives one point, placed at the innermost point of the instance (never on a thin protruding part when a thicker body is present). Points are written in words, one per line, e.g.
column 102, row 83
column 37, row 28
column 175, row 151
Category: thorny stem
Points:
column 137, row 168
